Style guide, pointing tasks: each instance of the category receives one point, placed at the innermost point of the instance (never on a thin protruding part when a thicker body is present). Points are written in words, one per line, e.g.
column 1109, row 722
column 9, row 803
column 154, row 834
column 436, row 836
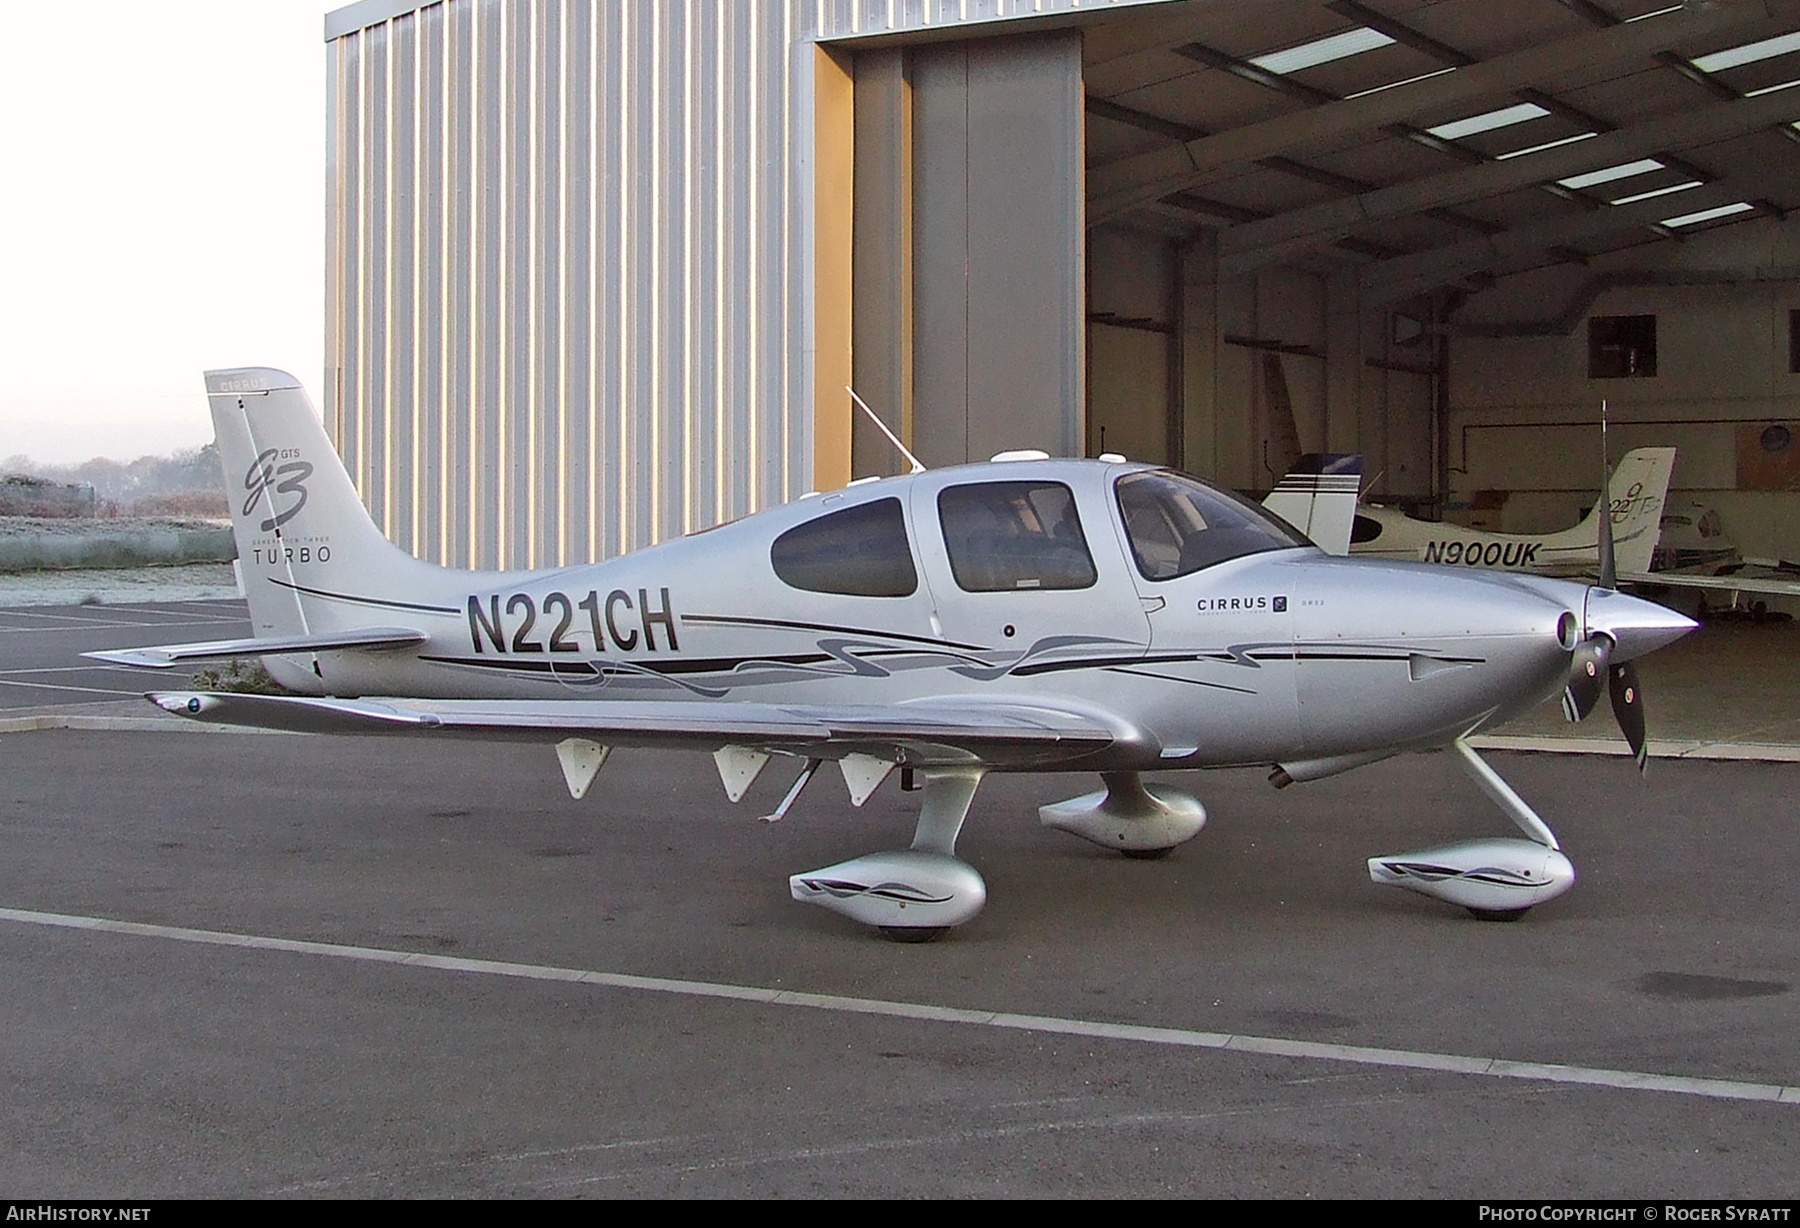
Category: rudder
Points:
column 1318, row 497
column 1635, row 496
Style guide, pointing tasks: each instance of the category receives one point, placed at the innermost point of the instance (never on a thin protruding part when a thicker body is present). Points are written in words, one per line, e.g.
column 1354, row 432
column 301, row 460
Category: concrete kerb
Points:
column 116, row 716
column 33, row 722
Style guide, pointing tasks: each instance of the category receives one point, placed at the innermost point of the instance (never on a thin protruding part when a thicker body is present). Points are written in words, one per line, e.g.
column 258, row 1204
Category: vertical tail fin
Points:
column 301, row 528
column 1634, row 500
column 1318, row 497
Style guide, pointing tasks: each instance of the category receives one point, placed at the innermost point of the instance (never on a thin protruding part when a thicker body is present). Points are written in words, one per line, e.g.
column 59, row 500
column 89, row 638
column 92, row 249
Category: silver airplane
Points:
column 1023, row 615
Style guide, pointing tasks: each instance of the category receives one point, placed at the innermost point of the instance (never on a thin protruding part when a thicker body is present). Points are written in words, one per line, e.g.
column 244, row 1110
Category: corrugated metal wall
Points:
column 570, row 277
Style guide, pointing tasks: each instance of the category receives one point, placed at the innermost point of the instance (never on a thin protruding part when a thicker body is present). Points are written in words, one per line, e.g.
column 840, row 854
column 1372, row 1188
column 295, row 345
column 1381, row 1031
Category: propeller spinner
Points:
column 1611, row 619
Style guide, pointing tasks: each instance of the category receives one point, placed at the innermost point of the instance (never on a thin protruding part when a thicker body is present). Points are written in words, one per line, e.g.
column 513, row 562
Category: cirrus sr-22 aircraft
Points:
column 1637, row 499
column 1634, row 498
column 1023, row 615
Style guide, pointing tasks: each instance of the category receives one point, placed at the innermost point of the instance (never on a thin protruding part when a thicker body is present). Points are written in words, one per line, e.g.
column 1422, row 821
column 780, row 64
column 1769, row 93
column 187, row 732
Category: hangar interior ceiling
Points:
column 1390, row 223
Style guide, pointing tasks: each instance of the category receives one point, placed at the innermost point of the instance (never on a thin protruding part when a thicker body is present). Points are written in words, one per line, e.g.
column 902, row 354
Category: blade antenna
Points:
column 883, row 428
column 1608, row 568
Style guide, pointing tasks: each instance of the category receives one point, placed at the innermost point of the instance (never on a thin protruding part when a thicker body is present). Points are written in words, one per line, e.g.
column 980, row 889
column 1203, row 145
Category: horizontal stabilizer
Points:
column 165, row 656
column 1021, row 733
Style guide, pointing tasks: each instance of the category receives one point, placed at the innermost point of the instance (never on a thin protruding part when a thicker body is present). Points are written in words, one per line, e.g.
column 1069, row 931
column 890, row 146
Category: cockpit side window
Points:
column 1177, row 524
column 1005, row 536
column 860, row 551
column 1365, row 529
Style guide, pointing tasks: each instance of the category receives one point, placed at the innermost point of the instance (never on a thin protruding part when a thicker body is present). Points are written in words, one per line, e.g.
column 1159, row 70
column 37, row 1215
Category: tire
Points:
column 913, row 933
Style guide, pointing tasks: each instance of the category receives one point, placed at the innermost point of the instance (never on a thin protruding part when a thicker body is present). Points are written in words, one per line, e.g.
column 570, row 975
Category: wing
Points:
column 165, row 656
column 1017, row 734
column 1766, row 585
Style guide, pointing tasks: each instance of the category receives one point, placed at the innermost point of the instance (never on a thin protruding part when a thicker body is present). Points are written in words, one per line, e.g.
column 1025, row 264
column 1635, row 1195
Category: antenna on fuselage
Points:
column 883, row 428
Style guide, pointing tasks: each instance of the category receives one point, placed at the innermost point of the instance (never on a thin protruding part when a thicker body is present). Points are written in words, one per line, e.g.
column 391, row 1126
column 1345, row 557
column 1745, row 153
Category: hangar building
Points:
column 600, row 270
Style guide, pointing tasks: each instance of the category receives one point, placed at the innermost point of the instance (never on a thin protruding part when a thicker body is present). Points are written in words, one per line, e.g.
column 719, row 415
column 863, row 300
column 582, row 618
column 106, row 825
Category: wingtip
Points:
column 179, row 703
column 138, row 658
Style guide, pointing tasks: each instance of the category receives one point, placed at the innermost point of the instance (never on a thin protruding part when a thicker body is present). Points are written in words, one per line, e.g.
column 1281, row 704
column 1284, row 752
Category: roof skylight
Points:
column 1749, row 53
column 1624, row 170
column 1707, row 215
column 1653, row 193
column 1322, row 51
column 1488, row 121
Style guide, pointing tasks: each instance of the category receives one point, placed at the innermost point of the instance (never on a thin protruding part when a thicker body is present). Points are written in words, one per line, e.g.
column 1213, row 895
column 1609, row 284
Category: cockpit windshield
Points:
column 1178, row 524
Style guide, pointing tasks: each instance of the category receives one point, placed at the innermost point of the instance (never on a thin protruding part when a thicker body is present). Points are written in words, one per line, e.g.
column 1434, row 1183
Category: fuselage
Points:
column 1082, row 583
column 1383, row 533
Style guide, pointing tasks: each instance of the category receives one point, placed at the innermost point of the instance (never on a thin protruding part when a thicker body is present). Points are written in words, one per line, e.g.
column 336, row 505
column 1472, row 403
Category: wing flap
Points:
column 166, row 656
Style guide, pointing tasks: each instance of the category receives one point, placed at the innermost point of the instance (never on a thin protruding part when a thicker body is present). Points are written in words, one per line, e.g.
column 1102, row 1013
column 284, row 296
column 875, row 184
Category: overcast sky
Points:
column 163, row 211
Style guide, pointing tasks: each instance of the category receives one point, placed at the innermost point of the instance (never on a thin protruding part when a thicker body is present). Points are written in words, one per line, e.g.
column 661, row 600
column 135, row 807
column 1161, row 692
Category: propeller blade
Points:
column 1609, row 575
column 1628, row 709
column 1587, row 677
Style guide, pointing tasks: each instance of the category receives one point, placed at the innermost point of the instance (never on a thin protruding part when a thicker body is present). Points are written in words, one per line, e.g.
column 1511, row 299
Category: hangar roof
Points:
column 1441, row 142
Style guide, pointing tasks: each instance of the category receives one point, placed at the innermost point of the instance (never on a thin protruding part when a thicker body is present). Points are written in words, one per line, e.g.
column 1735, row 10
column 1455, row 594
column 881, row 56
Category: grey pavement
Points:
column 41, row 667
column 149, row 1064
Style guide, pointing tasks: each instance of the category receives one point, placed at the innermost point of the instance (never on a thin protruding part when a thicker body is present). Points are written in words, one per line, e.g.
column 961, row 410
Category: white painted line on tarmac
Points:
column 87, row 690
column 73, row 623
column 1404, row 1059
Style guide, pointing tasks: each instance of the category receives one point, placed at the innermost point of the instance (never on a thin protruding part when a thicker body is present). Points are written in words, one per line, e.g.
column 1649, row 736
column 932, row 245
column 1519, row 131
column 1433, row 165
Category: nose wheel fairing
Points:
column 1496, row 879
column 1491, row 878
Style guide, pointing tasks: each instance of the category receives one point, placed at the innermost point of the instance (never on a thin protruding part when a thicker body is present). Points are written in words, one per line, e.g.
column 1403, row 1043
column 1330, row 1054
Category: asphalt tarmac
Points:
column 41, row 647
column 351, row 967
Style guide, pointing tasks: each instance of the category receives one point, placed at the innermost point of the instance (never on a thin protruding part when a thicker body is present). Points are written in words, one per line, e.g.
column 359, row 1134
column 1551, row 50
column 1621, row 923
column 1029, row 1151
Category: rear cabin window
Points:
column 1005, row 536
column 861, row 551
column 1177, row 524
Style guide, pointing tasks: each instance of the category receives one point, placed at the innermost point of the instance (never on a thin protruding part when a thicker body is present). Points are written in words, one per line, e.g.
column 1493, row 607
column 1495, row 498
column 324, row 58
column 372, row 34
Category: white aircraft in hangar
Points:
column 1023, row 615
column 1634, row 496
column 1637, row 495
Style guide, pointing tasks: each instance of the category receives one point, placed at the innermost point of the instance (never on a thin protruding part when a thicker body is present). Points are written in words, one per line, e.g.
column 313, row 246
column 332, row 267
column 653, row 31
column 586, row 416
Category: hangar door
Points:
column 968, row 252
